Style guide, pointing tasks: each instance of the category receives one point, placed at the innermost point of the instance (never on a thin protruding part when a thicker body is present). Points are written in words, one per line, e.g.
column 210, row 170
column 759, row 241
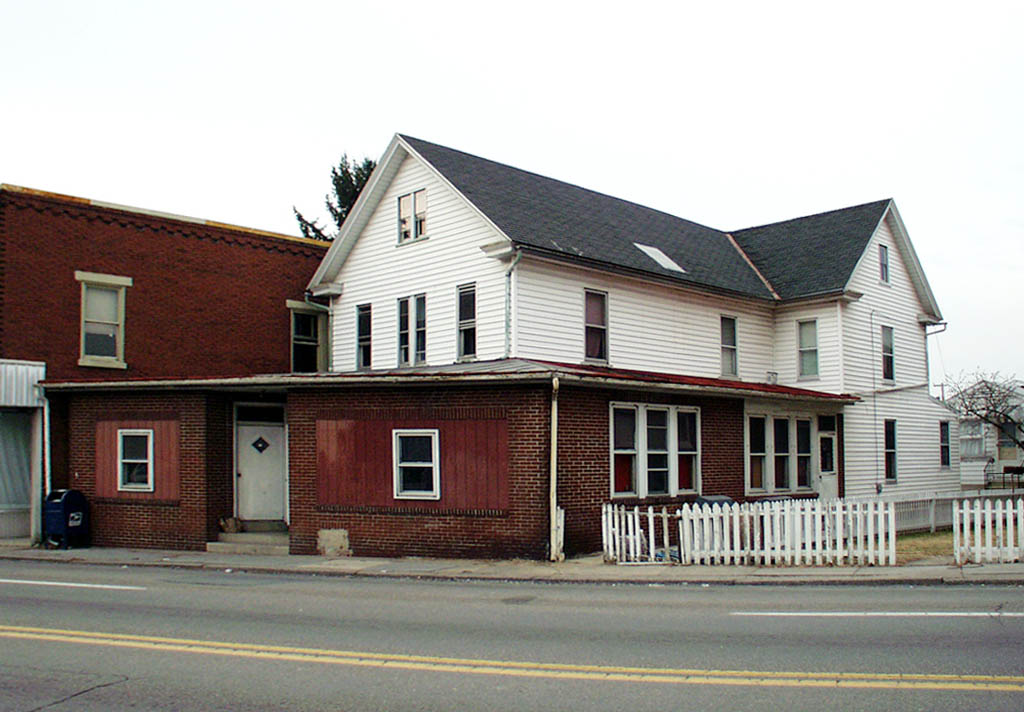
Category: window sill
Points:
column 136, row 490
column 101, row 362
column 429, row 496
column 413, row 241
column 813, row 377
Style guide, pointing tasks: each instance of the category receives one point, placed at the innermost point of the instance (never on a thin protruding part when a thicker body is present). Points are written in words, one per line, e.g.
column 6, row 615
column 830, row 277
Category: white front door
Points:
column 828, row 478
column 260, row 470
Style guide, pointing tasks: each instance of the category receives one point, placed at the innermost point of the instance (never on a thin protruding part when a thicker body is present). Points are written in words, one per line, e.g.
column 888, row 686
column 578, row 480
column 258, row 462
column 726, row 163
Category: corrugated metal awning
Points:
column 18, row 383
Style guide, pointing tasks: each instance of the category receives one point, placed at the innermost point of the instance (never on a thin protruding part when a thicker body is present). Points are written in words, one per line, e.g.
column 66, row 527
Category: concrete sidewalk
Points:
column 588, row 569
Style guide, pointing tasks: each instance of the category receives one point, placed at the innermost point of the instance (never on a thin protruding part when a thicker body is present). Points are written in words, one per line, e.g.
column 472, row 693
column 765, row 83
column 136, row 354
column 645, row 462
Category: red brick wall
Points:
column 185, row 521
column 355, row 465
column 402, row 528
column 583, row 456
column 205, row 301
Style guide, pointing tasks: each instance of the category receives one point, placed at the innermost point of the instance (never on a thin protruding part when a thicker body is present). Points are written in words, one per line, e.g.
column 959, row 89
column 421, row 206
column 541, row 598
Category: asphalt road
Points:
column 89, row 638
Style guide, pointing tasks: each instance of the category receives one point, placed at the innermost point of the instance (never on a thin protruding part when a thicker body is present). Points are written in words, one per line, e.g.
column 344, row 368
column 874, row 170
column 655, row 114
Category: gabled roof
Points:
column 563, row 219
column 815, row 254
column 795, row 259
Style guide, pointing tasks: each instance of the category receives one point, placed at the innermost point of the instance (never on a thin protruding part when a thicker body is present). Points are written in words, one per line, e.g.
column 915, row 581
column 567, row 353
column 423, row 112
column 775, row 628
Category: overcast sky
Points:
column 728, row 114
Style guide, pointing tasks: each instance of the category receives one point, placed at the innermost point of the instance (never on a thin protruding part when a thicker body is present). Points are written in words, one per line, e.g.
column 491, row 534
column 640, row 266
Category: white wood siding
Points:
column 894, row 304
column 650, row 327
column 378, row 271
column 786, row 347
column 905, row 399
column 918, row 467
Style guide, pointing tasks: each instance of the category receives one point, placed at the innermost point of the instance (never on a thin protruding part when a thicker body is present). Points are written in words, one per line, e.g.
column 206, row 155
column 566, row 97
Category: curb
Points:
column 796, row 579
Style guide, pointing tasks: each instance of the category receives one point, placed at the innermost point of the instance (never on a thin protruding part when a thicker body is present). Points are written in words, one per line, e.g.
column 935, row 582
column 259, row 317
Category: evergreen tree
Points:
column 347, row 179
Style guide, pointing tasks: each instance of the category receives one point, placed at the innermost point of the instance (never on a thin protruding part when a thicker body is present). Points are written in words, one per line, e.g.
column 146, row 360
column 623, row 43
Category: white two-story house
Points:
column 782, row 360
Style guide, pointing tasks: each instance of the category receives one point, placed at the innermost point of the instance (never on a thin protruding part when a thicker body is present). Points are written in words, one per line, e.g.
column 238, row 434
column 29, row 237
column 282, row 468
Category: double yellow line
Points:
column 674, row 676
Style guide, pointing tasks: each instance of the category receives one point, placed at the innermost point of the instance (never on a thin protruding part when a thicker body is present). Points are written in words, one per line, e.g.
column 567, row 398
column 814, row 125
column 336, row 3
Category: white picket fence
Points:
column 987, row 531
column 787, row 533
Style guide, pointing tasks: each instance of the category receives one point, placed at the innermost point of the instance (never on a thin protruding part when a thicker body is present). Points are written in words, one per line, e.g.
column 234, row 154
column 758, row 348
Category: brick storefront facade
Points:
column 512, row 523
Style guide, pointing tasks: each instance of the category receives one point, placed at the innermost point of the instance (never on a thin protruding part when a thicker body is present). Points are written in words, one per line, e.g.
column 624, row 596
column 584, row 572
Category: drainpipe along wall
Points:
column 508, row 302
column 554, row 546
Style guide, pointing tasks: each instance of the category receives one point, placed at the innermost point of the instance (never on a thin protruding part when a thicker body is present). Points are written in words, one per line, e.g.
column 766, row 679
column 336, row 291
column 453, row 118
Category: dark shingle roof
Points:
column 814, row 254
column 547, row 214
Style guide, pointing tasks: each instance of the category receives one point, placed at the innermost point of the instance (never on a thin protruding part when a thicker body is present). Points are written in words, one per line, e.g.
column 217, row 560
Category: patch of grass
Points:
column 924, row 545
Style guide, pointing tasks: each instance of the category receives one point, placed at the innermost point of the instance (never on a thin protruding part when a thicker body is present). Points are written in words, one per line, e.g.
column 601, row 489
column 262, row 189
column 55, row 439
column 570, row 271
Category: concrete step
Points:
column 256, row 543
column 264, row 525
column 277, row 538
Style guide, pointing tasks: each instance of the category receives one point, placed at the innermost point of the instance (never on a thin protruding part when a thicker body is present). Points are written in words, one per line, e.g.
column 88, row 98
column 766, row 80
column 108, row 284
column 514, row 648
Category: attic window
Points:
column 660, row 257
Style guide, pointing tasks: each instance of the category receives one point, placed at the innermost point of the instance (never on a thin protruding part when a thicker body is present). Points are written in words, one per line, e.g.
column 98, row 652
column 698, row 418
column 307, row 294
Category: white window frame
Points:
column 641, row 452
column 730, row 352
column 801, row 350
column 588, row 326
column 362, row 339
column 111, row 282
column 123, row 486
column 320, row 313
column 883, row 264
column 945, row 445
column 417, row 229
column 972, row 433
column 890, row 355
column 465, row 323
column 894, row 450
column 416, row 307
column 793, row 454
column 435, row 492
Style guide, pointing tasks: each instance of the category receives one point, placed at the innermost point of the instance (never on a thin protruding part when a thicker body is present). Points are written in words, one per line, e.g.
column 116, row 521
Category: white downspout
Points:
column 508, row 303
column 554, row 548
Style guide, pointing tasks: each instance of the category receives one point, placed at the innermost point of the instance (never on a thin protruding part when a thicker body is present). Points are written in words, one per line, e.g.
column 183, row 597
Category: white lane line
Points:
column 66, row 584
column 881, row 614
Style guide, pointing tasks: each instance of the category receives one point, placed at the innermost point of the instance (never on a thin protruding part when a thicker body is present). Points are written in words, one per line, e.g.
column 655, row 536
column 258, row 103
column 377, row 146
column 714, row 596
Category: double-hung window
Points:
column 780, row 453
column 103, row 319
column 780, row 446
column 890, row 450
column 655, row 450
column 364, row 336
column 803, row 453
column 807, row 335
column 883, row 263
column 412, row 330
column 944, row 443
column 888, row 354
column 596, row 325
column 417, row 464
column 135, row 460
column 412, row 216
column 972, row 438
column 758, row 446
column 466, row 298
column 730, row 366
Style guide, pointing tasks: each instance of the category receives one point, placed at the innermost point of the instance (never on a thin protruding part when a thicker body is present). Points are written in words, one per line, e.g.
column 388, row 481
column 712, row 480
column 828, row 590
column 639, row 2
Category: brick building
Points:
column 94, row 292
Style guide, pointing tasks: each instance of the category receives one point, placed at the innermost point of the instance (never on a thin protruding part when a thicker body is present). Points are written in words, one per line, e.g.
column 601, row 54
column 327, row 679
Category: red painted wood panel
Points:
column 166, row 447
column 355, row 463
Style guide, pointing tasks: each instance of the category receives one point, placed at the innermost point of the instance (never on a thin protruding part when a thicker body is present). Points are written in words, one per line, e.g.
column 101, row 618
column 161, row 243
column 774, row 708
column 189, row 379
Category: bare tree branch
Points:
column 990, row 398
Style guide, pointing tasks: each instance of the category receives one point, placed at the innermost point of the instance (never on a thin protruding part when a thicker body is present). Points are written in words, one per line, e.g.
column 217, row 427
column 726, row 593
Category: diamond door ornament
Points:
column 260, row 445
